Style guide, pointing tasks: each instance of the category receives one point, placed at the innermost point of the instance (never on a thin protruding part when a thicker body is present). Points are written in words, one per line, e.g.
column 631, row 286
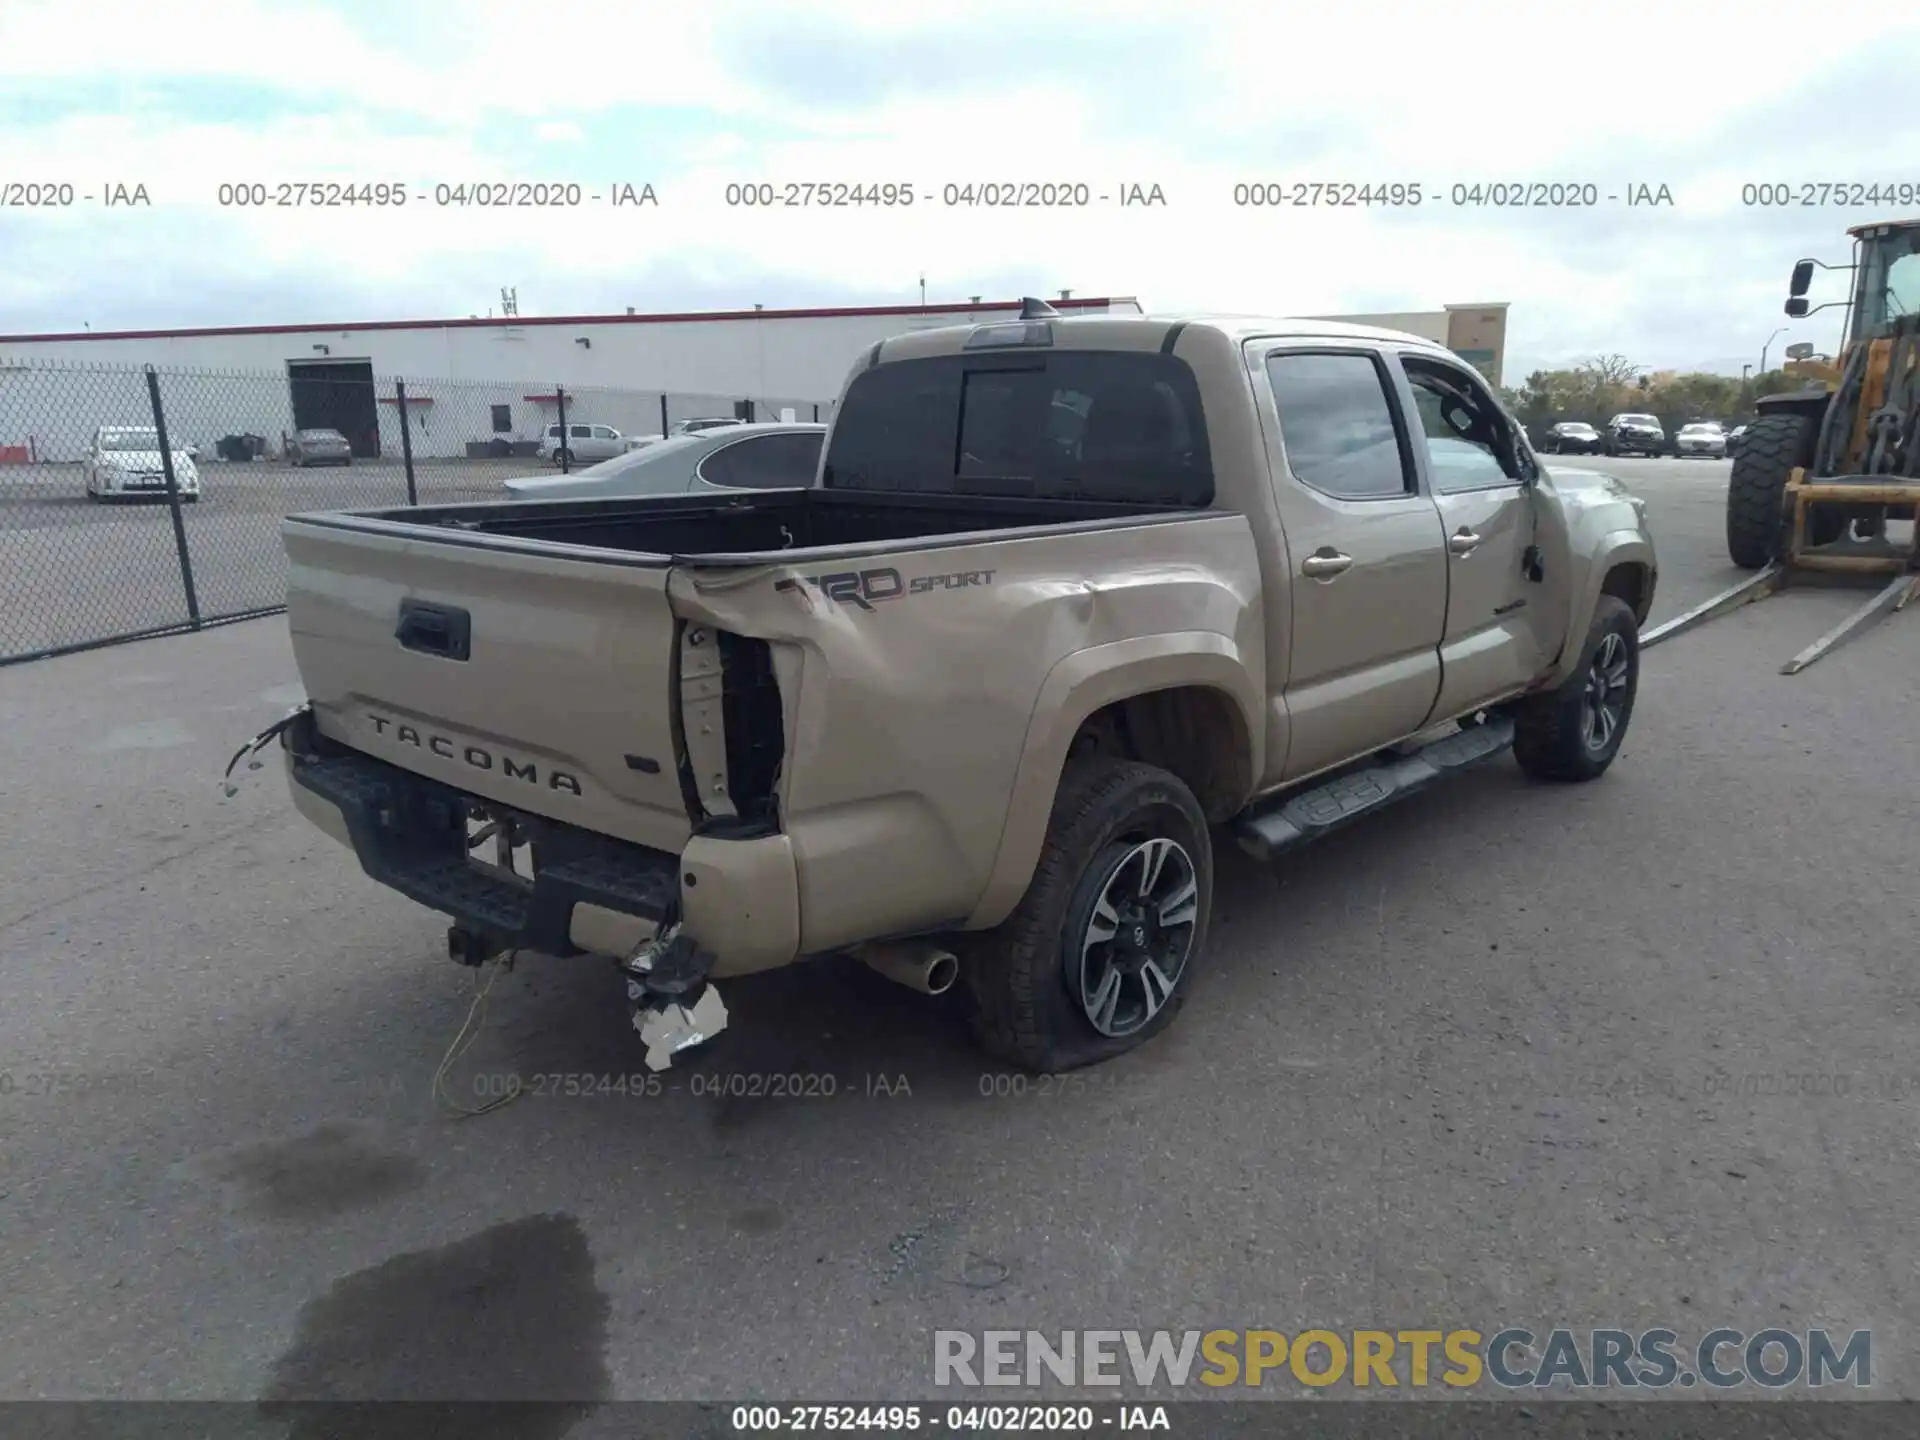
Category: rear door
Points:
column 1368, row 567
column 1478, row 476
column 540, row 680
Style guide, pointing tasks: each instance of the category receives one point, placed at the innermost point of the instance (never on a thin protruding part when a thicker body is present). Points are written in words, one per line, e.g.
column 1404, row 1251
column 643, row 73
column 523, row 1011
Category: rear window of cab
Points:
column 1088, row 424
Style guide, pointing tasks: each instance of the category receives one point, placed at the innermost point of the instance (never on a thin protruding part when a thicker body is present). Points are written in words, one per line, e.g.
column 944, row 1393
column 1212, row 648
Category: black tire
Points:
column 1756, row 488
column 563, row 457
column 1021, row 980
column 1552, row 738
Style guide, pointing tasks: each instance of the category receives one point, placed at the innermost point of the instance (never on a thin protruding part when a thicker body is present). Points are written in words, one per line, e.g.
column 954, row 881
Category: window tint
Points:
column 764, row 462
column 1336, row 425
column 603, row 432
column 1106, row 425
column 581, row 432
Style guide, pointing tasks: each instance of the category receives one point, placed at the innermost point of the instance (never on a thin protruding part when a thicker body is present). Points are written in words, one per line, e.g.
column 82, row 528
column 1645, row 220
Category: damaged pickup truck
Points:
column 1071, row 593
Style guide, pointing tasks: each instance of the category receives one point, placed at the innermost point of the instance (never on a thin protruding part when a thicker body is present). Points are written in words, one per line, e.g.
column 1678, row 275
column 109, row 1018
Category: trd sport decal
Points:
column 867, row 588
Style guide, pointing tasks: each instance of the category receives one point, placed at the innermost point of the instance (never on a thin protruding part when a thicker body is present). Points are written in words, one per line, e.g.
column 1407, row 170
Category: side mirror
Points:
column 1802, row 279
column 1797, row 307
column 1802, row 351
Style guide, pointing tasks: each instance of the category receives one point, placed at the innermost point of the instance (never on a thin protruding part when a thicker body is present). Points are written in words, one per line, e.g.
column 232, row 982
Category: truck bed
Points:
column 748, row 529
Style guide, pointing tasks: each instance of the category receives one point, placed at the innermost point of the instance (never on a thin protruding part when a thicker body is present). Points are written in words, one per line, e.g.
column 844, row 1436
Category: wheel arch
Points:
column 1187, row 702
column 1624, row 566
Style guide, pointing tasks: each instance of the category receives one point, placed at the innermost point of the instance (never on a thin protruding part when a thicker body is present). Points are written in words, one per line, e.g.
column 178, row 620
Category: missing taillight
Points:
column 756, row 731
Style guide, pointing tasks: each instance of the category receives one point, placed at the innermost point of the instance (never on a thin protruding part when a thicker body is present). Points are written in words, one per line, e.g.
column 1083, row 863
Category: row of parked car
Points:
column 1641, row 435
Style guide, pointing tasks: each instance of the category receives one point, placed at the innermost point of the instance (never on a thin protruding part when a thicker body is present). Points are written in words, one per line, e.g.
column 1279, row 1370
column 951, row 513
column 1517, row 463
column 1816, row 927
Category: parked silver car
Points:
column 732, row 457
column 318, row 447
column 1702, row 437
column 582, row 444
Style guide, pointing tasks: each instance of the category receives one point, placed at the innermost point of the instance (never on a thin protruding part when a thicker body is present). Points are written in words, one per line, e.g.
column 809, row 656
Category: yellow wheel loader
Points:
column 1824, row 472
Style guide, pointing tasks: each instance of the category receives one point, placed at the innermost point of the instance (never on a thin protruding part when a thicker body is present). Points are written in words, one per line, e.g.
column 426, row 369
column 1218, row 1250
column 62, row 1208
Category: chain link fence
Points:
column 137, row 501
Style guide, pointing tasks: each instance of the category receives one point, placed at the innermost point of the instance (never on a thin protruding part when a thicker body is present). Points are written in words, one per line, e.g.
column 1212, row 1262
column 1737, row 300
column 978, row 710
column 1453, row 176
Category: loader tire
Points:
column 1026, row 982
column 1756, row 490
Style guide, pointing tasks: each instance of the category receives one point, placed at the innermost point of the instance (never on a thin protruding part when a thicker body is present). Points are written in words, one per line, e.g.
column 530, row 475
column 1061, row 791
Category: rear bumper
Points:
column 590, row 894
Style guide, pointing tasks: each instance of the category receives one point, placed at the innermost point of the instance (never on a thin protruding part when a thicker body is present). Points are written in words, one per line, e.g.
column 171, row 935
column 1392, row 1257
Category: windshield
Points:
column 129, row 440
column 321, row 435
column 1889, row 281
column 1638, row 420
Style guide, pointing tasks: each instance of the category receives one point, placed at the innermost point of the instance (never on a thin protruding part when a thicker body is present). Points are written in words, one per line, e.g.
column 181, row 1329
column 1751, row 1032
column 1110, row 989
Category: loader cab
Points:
column 1886, row 280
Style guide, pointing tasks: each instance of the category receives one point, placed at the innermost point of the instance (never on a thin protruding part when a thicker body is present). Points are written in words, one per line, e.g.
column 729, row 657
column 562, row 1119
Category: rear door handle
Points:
column 1463, row 541
column 1325, row 564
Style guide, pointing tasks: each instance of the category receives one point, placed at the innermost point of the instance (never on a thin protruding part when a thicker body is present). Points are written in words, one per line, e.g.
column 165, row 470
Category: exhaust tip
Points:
column 941, row 974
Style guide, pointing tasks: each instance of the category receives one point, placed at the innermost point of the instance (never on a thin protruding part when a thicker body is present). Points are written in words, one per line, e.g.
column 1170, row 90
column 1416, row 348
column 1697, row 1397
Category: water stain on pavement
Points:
column 327, row 1172
column 511, row 1318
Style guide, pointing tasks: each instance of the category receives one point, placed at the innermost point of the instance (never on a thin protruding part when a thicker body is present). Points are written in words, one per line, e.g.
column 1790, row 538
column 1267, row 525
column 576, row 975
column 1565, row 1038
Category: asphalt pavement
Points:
column 1631, row 1054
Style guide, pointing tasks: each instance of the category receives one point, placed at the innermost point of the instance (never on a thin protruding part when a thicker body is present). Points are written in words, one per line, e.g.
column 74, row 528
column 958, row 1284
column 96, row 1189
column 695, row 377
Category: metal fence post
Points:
column 566, row 456
column 173, row 498
column 663, row 416
column 816, row 414
column 406, row 438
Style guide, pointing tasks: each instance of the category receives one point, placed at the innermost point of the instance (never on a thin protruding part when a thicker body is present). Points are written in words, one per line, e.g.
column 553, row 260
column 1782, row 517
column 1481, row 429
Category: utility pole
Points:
column 923, row 289
column 509, row 300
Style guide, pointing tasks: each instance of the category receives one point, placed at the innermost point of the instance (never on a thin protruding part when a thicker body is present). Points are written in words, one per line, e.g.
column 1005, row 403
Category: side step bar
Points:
column 1309, row 814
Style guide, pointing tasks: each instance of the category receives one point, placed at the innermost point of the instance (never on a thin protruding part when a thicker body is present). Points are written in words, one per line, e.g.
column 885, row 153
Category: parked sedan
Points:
column 1636, row 435
column 1701, row 438
column 318, row 447
column 1734, row 437
column 732, row 457
column 124, row 463
column 1572, row 437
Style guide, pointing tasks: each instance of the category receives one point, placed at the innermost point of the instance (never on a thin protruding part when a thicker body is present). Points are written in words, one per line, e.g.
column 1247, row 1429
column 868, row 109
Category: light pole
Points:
column 1768, row 346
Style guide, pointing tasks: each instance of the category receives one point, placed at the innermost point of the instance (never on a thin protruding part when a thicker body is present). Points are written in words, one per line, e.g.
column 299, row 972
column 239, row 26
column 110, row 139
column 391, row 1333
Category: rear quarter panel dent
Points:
column 910, row 723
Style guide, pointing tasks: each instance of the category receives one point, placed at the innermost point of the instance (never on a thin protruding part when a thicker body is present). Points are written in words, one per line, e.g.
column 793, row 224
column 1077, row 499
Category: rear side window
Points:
column 1337, row 426
column 764, row 462
column 1103, row 425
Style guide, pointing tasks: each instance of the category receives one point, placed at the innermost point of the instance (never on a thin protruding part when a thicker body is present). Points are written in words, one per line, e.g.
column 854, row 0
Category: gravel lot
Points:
column 1510, row 1054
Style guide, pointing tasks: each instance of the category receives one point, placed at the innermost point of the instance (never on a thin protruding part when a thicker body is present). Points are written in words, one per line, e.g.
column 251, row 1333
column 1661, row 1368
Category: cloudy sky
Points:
column 1195, row 98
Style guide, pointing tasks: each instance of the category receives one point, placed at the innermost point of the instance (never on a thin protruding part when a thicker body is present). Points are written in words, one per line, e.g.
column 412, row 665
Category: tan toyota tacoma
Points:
column 1068, row 593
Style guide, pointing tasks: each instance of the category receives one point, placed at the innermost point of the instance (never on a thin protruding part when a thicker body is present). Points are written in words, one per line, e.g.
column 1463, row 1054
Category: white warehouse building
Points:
column 496, row 382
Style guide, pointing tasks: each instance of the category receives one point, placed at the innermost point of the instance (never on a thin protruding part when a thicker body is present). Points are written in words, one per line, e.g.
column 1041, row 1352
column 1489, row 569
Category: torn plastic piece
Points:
column 668, row 1029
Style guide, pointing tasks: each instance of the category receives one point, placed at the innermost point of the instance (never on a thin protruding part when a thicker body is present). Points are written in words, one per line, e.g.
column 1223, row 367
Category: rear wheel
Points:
column 563, row 457
column 1756, row 489
column 1098, row 955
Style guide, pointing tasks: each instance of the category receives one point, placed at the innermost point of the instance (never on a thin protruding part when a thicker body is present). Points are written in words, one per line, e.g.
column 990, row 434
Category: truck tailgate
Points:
column 542, row 681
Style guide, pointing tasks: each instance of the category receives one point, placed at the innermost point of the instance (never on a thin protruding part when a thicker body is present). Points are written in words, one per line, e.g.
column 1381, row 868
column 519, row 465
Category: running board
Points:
column 1310, row 814
column 1755, row 587
column 1896, row 596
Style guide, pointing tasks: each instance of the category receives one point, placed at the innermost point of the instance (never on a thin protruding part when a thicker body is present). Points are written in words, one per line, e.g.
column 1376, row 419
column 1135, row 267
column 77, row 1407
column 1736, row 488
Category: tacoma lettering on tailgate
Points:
column 478, row 756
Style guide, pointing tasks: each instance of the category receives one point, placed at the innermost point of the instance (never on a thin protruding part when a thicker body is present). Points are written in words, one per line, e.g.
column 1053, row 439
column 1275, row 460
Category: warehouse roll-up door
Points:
column 337, row 395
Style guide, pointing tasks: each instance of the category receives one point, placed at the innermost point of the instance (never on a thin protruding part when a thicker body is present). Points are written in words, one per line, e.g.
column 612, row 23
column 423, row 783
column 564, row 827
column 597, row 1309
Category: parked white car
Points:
column 583, row 444
column 123, row 463
column 1701, row 438
column 733, row 457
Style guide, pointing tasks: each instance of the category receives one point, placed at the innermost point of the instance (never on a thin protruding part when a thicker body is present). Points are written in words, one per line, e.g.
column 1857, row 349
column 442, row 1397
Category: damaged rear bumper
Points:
column 589, row 893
